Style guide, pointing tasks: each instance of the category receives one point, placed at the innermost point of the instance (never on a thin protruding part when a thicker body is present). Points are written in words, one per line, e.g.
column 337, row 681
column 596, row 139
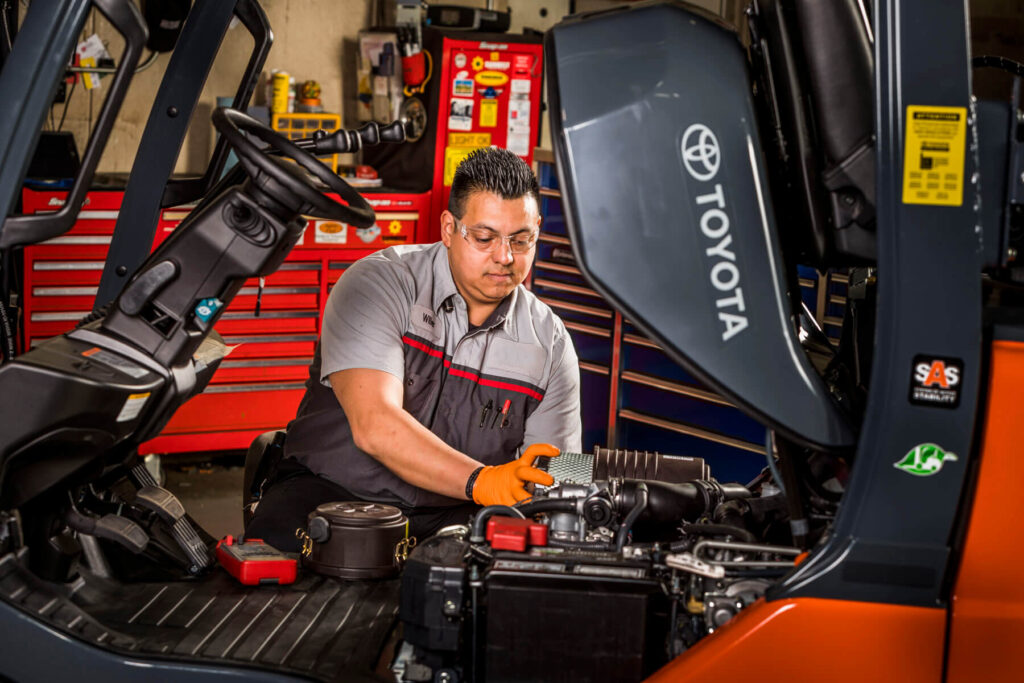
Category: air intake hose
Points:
column 671, row 504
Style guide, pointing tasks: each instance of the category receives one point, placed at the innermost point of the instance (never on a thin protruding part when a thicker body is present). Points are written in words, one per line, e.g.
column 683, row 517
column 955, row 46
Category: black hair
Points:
column 491, row 169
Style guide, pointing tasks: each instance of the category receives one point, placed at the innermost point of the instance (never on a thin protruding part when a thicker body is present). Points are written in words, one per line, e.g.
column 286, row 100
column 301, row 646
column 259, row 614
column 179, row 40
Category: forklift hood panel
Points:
column 668, row 207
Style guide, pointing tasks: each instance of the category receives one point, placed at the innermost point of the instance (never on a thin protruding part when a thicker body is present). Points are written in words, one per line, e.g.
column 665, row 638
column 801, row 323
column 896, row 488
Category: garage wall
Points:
column 314, row 39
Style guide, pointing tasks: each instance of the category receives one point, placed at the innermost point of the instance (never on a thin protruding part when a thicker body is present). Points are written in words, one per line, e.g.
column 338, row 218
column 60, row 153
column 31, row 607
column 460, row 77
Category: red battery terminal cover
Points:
column 253, row 562
column 510, row 533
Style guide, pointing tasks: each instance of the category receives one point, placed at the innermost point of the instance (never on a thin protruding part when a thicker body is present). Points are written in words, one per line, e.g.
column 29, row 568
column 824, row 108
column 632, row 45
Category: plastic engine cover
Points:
column 660, row 164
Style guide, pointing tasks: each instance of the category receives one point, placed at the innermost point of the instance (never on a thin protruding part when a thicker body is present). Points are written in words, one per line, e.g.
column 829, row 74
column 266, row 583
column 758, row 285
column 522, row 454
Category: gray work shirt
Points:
column 399, row 311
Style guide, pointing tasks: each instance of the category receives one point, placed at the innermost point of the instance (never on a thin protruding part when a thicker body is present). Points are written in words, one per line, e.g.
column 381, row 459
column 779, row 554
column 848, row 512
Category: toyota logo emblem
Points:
column 701, row 155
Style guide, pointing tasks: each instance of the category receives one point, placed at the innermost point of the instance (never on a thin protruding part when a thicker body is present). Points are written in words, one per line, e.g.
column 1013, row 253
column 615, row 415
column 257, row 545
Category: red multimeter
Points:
column 253, row 562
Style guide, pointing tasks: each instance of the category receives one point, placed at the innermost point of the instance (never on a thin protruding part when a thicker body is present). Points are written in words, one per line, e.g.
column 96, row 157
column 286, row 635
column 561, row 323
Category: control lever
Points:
column 342, row 141
column 122, row 531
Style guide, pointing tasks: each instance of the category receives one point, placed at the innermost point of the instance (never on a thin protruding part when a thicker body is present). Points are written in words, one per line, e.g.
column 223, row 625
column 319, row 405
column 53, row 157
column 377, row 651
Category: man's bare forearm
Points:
column 371, row 400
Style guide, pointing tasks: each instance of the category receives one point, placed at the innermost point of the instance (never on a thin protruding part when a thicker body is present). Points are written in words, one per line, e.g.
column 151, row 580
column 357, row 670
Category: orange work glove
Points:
column 506, row 484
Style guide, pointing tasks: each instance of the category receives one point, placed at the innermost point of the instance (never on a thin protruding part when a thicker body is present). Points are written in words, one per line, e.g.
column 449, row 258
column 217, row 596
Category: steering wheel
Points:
column 279, row 179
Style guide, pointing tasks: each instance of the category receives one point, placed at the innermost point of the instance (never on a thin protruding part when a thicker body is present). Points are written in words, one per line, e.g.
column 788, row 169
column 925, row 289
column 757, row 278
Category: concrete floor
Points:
column 210, row 491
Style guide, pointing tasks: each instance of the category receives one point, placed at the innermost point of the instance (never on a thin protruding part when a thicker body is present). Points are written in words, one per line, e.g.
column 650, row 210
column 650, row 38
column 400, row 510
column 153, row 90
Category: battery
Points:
column 253, row 562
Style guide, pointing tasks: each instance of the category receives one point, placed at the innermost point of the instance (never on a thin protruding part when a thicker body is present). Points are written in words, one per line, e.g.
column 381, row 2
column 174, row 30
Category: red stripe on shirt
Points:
column 423, row 347
column 494, row 383
column 482, row 381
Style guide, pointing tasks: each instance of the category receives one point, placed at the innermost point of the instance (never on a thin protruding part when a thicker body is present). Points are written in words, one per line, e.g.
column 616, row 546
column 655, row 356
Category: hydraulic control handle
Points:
column 342, row 141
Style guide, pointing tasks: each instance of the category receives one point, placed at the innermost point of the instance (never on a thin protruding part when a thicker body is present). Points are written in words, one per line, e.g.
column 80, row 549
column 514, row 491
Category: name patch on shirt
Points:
column 425, row 323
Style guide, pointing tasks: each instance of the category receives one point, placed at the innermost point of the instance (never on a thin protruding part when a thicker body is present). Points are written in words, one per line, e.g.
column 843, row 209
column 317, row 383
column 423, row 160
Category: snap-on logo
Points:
column 701, row 154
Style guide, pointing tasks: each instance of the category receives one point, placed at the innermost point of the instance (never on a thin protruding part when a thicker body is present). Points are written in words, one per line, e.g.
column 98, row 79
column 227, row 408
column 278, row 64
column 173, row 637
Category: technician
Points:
column 435, row 367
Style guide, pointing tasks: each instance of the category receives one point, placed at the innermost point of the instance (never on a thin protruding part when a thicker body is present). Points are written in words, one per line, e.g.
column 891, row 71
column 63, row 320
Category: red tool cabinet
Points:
column 259, row 384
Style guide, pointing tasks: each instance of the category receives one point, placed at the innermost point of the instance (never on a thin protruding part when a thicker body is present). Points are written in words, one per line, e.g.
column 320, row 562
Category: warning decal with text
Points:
column 933, row 161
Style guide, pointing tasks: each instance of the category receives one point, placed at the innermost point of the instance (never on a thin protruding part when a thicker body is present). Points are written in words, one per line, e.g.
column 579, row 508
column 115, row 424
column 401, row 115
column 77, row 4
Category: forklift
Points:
column 697, row 172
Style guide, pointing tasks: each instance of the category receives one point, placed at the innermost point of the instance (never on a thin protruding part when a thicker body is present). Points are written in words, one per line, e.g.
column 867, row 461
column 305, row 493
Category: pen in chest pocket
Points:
column 483, row 413
column 504, row 413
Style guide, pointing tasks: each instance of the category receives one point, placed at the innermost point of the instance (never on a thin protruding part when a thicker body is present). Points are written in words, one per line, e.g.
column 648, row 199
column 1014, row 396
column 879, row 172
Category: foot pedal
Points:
column 120, row 530
column 161, row 501
column 167, row 506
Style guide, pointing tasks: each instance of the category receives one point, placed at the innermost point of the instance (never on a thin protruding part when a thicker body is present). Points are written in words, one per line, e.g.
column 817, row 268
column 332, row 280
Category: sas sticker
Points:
column 924, row 460
column 936, row 381
column 491, row 78
column 933, row 159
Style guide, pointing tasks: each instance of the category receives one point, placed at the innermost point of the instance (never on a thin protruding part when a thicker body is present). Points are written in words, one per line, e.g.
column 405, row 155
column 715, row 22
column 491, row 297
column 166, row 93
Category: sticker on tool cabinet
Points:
column 469, row 140
column 518, row 139
column 492, row 78
column 460, row 114
column 460, row 60
column 478, row 63
column 132, row 407
column 936, row 381
column 462, row 87
column 453, row 156
column 933, row 160
column 369, row 234
column 331, row 232
column 924, row 460
column 521, row 86
column 488, row 113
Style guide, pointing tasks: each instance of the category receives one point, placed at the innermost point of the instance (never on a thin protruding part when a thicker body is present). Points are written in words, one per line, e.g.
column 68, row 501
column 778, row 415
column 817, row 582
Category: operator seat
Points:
column 264, row 453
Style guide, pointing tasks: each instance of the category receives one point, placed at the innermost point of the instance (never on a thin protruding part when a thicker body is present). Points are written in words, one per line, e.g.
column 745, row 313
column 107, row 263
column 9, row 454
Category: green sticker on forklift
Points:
column 925, row 460
column 933, row 159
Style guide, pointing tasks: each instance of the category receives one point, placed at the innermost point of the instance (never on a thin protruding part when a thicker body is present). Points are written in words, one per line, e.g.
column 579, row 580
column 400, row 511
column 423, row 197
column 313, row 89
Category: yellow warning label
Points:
column 933, row 160
column 453, row 156
column 469, row 139
column 488, row 113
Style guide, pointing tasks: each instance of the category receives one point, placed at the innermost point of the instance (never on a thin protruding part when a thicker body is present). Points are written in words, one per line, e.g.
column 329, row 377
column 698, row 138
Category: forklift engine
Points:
column 591, row 579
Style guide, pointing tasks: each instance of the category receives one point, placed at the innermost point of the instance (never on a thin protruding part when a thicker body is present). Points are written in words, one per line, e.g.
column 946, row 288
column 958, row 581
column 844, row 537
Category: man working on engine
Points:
column 434, row 368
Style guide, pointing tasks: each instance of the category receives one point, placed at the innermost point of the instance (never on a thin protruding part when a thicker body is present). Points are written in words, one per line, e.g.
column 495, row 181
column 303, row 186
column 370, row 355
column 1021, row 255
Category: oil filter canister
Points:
column 355, row 540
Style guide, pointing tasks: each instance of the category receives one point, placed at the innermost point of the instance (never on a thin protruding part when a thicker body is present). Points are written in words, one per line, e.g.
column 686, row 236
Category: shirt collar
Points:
column 445, row 289
column 444, row 284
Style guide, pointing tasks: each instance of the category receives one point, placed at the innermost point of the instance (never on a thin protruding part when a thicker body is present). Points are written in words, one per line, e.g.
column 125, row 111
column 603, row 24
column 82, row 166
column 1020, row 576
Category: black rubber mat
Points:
column 318, row 627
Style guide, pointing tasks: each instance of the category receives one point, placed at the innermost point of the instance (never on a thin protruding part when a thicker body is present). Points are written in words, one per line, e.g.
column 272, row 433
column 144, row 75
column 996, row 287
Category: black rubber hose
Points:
column 627, row 524
column 673, row 503
column 538, row 505
column 479, row 532
column 720, row 530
